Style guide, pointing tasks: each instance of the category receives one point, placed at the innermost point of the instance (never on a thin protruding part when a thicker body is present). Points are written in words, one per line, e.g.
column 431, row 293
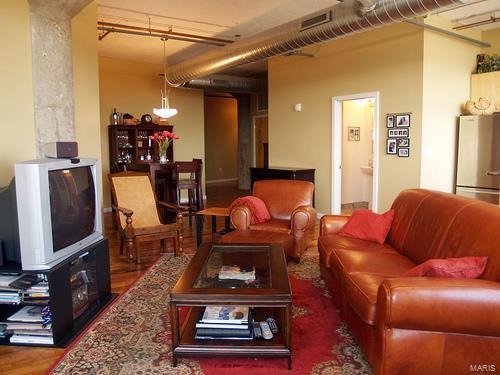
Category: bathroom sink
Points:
column 367, row 170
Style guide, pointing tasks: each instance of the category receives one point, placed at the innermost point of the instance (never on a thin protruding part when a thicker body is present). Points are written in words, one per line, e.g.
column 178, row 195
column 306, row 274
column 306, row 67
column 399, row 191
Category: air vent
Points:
column 316, row 20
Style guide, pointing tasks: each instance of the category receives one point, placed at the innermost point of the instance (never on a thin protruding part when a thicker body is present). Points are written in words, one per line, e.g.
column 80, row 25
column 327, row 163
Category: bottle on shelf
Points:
column 114, row 117
column 148, row 156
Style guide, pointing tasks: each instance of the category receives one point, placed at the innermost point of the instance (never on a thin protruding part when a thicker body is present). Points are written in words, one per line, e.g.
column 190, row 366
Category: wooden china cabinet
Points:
column 130, row 143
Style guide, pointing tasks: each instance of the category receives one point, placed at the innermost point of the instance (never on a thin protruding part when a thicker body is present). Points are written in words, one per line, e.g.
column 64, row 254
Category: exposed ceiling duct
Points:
column 228, row 83
column 348, row 17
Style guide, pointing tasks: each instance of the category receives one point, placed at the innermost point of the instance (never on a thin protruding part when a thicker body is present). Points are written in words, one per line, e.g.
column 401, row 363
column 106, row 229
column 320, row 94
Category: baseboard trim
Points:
column 220, row 181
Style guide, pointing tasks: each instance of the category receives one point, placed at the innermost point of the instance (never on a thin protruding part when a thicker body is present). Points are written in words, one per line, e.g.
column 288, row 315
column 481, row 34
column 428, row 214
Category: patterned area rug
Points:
column 133, row 335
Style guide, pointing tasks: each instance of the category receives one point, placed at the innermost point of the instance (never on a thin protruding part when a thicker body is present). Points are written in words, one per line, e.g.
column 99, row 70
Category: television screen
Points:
column 72, row 205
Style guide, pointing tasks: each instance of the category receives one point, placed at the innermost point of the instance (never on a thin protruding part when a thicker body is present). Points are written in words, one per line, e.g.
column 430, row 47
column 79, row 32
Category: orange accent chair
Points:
column 290, row 205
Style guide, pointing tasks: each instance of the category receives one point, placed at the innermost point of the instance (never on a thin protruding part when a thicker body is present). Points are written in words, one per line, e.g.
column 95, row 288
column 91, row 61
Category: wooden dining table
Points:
column 156, row 169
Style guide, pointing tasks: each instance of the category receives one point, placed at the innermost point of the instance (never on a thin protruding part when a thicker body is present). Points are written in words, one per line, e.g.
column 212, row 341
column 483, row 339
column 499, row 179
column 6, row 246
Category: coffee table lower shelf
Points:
column 277, row 347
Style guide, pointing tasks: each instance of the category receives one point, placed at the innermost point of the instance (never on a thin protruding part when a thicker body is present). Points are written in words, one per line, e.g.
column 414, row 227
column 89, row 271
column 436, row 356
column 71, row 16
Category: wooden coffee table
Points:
column 269, row 296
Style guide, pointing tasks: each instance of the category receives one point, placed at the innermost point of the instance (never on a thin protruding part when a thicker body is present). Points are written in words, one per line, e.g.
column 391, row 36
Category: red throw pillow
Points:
column 367, row 225
column 260, row 213
column 455, row 268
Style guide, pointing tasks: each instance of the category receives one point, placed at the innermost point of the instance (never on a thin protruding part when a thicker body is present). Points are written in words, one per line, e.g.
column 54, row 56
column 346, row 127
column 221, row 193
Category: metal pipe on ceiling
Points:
column 220, row 82
column 348, row 17
column 119, row 28
column 449, row 33
column 155, row 35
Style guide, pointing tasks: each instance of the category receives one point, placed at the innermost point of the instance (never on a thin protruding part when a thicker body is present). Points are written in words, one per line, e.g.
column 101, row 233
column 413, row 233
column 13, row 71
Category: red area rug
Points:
column 133, row 335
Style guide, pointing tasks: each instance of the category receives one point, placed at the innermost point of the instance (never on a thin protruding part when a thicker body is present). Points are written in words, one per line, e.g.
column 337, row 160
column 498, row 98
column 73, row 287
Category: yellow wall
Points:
column 16, row 91
column 388, row 60
column 356, row 185
column 134, row 87
column 86, row 82
column 448, row 64
column 492, row 37
column 221, row 138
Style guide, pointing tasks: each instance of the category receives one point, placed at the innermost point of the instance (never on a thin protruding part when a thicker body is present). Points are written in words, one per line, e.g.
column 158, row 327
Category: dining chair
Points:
column 187, row 176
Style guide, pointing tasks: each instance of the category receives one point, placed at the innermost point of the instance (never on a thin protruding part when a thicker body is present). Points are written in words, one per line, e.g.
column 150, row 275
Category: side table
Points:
column 214, row 212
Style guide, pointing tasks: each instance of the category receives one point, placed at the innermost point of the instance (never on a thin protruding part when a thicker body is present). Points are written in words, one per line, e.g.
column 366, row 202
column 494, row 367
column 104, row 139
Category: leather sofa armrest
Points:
column 467, row 306
column 331, row 224
column 303, row 218
column 241, row 217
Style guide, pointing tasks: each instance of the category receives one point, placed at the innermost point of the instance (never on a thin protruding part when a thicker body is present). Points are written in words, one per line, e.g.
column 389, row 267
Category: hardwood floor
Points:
column 21, row 360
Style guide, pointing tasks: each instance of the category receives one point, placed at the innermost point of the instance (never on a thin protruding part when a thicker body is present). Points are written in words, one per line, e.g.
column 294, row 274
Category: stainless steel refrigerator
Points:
column 478, row 162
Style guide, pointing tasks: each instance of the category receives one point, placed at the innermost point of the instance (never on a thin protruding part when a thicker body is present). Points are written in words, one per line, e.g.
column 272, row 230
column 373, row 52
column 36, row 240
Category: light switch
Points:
column 297, row 107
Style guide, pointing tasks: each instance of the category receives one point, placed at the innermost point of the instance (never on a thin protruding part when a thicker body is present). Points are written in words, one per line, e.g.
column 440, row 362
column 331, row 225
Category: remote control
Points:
column 272, row 325
column 257, row 332
column 266, row 331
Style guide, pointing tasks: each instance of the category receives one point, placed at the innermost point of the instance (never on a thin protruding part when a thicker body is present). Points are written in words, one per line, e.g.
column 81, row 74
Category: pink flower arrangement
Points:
column 164, row 139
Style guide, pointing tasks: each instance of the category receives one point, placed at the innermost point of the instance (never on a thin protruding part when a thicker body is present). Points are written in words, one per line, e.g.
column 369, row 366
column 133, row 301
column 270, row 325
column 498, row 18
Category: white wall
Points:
column 356, row 185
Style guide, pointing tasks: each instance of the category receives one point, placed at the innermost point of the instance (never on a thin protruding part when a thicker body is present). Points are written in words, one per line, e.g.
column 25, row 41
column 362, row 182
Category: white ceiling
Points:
column 223, row 19
column 214, row 18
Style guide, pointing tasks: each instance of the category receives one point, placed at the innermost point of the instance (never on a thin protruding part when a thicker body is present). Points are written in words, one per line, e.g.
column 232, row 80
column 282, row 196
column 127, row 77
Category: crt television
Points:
column 58, row 209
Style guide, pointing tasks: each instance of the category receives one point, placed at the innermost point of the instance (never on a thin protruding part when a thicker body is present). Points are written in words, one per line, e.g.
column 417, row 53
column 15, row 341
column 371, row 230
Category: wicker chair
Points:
column 138, row 216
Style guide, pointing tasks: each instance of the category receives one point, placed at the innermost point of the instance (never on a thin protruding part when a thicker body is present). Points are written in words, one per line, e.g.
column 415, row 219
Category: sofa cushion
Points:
column 327, row 244
column 360, row 273
column 361, row 293
column 273, row 225
column 456, row 268
column 367, row 225
column 381, row 263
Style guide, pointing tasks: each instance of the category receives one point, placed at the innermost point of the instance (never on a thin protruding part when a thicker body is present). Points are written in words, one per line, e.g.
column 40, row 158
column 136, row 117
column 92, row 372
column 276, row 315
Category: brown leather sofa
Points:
column 419, row 325
column 290, row 205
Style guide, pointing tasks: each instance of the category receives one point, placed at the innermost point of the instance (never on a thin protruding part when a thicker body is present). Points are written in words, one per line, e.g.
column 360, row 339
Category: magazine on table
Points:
column 236, row 273
column 226, row 315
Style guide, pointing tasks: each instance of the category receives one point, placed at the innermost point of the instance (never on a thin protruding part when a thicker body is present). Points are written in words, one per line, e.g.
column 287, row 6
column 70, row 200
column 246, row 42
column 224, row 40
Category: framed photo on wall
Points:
column 389, row 121
column 391, row 146
column 396, row 133
column 353, row 133
column 403, row 152
column 403, row 142
column 403, row 121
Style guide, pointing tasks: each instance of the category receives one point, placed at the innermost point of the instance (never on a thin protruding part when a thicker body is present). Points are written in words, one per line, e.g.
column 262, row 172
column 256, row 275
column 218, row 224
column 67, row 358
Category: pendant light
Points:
column 165, row 111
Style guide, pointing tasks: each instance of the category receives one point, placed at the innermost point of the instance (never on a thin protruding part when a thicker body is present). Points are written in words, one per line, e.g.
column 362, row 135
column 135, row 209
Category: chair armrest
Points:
column 123, row 210
column 466, row 306
column 172, row 207
column 241, row 217
column 303, row 218
column 331, row 224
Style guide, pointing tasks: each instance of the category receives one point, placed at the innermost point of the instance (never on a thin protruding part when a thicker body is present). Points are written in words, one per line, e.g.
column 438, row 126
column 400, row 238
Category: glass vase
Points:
column 163, row 152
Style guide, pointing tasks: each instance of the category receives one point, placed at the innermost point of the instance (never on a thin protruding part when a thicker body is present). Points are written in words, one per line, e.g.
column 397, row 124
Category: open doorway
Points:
column 354, row 153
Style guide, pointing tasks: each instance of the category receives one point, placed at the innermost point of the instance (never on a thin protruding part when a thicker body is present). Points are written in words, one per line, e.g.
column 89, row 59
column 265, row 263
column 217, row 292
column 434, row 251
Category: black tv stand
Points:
column 73, row 303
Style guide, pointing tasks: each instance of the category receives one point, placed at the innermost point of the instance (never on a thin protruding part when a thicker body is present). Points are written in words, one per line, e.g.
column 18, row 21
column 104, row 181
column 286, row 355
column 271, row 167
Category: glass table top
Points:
column 229, row 268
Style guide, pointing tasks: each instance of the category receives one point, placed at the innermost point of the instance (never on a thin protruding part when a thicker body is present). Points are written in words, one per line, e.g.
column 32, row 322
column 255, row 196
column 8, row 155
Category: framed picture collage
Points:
column 398, row 134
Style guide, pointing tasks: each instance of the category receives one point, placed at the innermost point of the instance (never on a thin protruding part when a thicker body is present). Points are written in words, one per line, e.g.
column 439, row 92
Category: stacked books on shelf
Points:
column 30, row 325
column 37, row 294
column 8, row 294
column 225, row 322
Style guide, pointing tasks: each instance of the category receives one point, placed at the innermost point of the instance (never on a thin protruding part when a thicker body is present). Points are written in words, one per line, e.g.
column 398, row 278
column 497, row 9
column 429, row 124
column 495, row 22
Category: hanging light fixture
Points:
column 165, row 111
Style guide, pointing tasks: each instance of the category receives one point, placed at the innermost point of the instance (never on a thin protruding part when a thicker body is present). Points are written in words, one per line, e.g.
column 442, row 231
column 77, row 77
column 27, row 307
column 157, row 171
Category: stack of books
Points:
column 30, row 325
column 8, row 294
column 37, row 294
column 225, row 322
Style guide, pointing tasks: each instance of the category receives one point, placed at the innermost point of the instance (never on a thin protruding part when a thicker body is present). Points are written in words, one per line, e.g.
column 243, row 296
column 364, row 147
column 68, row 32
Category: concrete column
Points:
column 244, row 141
column 53, row 69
